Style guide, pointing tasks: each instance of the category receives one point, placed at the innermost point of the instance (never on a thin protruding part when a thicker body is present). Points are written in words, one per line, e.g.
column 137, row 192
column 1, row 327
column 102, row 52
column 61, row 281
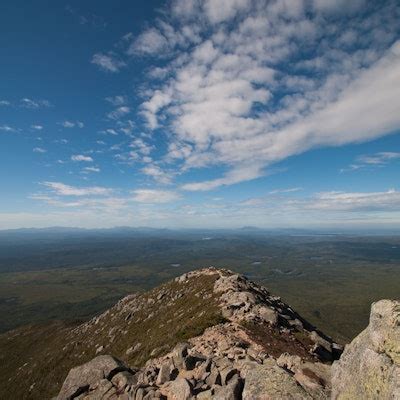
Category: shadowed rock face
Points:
column 370, row 365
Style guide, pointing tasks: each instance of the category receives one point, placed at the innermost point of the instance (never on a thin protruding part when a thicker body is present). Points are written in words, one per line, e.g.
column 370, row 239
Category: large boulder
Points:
column 269, row 381
column 81, row 378
column 370, row 365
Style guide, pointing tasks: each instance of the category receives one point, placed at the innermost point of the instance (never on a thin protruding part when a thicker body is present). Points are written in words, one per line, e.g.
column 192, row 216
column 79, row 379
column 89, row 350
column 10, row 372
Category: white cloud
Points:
column 222, row 10
column 37, row 127
column 39, row 150
column 65, row 190
column 373, row 160
column 4, row 103
column 338, row 6
column 119, row 112
column 72, row 124
column 236, row 175
column 151, row 107
column 156, row 172
column 289, row 190
column 34, row 104
column 141, row 146
column 81, row 157
column 117, row 100
column 379, row 158
column 91, row 169
column 108, row 62
column 151, row 41
column 227, row 101
column 68, row 124
column 356, row 201
column 7, row 128
column 152, row 196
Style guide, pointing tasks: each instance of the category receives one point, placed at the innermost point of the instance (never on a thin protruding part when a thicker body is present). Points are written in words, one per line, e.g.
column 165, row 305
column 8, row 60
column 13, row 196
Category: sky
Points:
column 193, row 114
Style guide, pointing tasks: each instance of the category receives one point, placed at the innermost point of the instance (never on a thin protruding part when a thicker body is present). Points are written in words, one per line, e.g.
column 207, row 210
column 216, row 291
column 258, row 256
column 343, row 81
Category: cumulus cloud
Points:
column 152, row 41
column 108, row 62
column 81, row 157
column 156, row 172
column 262, row 81
column 152, row 196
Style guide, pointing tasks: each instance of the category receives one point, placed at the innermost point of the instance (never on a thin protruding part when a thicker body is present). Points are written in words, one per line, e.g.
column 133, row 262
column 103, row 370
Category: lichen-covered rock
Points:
column 269, row 381
column 179, row 389
column 370, row 365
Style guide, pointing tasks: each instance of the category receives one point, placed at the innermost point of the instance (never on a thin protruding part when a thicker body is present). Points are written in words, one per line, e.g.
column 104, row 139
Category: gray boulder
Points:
column 179, row 389
column 369, row 367
column 269, row 381
column 81, row 378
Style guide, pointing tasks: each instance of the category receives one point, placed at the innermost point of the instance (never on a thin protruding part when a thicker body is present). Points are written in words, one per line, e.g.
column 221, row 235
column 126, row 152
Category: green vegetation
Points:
column 329, row 280
column 35, row 360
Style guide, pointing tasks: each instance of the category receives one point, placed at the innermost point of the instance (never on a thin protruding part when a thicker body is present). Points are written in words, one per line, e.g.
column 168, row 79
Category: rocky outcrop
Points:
column 370, row 366
column 186, row 374
column 263, row 349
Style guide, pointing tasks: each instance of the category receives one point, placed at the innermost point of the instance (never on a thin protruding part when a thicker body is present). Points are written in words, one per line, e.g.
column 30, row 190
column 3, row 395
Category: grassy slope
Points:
column 42, row 356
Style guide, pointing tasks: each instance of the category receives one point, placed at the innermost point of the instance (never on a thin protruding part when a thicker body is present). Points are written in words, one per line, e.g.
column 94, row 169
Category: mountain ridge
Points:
column 210, row 332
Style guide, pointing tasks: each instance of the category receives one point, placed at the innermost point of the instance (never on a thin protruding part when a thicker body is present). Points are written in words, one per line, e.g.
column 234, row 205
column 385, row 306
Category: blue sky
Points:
column 213, row 113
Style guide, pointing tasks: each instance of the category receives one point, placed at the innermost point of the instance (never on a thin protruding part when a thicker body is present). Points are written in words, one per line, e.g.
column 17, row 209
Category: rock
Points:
column 164, row 374
column 226, row 374
column 232, row 391
column 269, row 381
column 103, row 388
column 80, row 378
column 268, row 315
column 179, row 389
column 321, row 342
column 289, row 361
column 179, row 354
column 369, row 367
column 384, row 328
column 122, row 379
column 206, row 395
column 313, row 383
column 214, row 378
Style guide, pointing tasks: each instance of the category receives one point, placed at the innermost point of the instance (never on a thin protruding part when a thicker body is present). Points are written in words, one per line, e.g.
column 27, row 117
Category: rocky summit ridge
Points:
column 210, row 334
